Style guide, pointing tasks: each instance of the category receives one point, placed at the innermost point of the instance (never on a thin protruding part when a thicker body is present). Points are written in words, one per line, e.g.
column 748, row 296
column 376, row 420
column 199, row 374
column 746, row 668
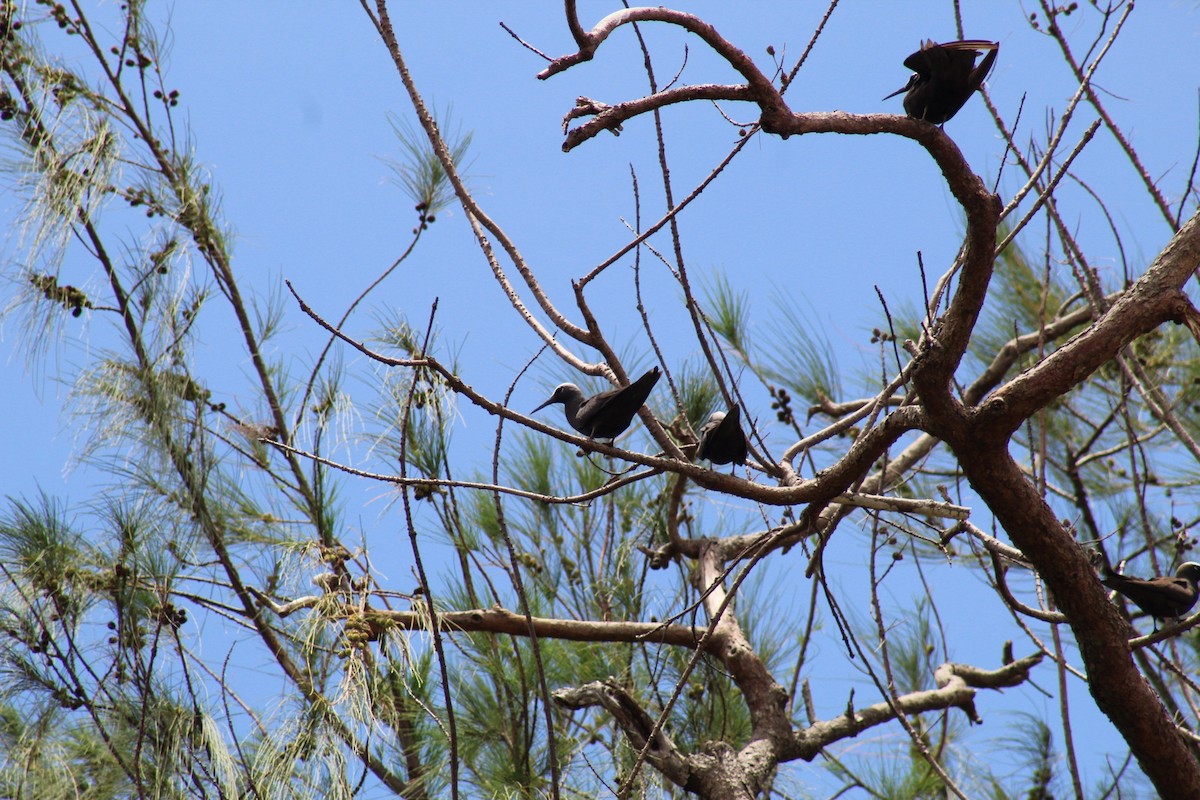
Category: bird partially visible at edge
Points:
column 1165, row 597
column 722, row 440
column 945, row 77
column 604, row 415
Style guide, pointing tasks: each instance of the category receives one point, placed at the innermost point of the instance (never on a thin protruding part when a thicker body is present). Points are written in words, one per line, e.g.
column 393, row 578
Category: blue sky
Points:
column 288, row 108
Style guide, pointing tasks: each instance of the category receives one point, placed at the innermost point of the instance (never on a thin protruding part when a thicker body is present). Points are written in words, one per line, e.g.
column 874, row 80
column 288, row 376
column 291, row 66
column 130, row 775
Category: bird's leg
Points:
column 585, row 450
column 607, row 470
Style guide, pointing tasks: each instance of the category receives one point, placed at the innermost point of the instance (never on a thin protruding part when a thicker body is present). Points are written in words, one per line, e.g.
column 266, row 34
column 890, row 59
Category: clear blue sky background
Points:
column 288, row 107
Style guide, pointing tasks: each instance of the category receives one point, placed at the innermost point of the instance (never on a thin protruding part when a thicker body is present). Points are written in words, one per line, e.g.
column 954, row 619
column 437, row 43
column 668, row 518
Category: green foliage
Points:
column 419, row 172
column 219, row 620
column 59, row 758
column 728, row 311
column 798, row 354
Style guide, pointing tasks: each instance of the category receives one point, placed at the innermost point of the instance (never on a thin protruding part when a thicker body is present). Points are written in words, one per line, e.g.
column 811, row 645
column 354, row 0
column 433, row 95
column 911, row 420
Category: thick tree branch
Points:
column 1013, row 349
column 1156, row 298
column 1116, row 684
column 765, row 698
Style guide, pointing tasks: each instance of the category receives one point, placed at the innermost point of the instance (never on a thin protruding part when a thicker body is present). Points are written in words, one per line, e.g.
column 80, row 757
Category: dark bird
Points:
column 721, row 439
column 945, row 77
column 607, row 414
column 1162, row 598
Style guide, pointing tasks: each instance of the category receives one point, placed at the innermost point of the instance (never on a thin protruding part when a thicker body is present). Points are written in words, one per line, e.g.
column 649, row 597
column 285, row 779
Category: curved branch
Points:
column 577, row 31
column 956, row 688
column 635, row 723
column 1054, row 617
column 868, row 447
column 610, row 118
column 758, row 83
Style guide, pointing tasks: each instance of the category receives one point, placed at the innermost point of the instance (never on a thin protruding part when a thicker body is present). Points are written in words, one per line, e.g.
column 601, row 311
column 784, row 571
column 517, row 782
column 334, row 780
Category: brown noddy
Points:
column 945, row 77
column 1166, row 597
column 721, row 438
column 607, row 414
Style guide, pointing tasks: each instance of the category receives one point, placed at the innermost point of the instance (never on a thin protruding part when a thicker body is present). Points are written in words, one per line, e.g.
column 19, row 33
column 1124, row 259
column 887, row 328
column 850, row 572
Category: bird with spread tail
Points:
column 722, row 440
column 1166, row 597
column 607, row 414
column 945, row 77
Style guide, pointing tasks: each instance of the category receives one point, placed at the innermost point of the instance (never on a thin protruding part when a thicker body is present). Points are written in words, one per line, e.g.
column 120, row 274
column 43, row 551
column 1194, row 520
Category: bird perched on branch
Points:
column 1165, row 597
column 945, row 77
column 607, row 414
column 721, row 439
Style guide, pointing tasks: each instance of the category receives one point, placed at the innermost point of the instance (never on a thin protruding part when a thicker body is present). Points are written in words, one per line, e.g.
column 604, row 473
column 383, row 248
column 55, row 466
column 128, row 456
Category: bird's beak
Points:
column 903, row 88
column 543, row 405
